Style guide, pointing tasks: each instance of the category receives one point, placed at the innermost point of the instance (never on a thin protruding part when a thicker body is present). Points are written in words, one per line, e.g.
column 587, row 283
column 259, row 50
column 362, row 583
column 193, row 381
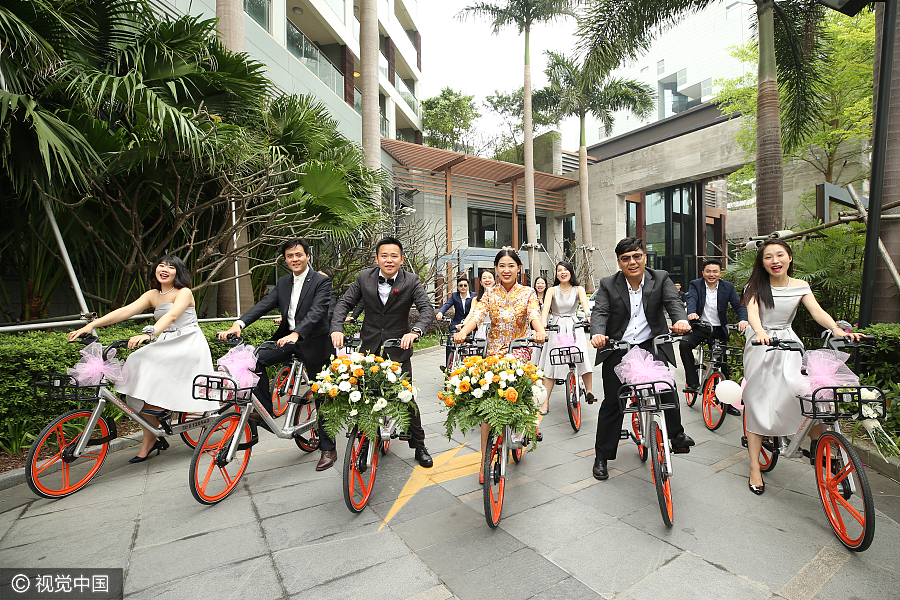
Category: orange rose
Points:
column 358, row 373
column 441, row 396
column 482, row 381
column 353, row 380
column 379, row 359
column 374, row 369
column 450, row 401
column 496, row 379
column 335, row 365
column 314, row 387
column 512, row 395
column 333, row 392
column 395, row 368
column 465, row 386
column 404, row 383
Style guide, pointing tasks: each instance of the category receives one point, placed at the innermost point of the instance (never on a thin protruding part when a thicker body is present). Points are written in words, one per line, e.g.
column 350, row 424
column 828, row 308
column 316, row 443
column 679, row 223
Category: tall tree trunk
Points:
column 530, row 218
column 585, row 200
column 368, row 56
column 769, row 158
column 886, row 307
column 231, row 31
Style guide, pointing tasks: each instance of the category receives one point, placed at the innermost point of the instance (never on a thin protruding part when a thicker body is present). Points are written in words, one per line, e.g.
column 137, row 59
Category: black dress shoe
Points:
column 682, row 440
column 599, row 469
column 731, row 410
column 756, row 489
column 589, row 397
column 423, row 458
column 159, row 445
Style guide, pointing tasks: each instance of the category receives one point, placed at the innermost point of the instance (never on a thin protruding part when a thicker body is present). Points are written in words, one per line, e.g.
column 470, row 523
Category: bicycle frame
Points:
column 652, row 391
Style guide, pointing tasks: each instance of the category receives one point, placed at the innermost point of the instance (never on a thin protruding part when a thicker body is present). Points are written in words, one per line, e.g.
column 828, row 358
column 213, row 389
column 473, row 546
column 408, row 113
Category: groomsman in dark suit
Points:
column 388, row 294
column 460, row 302
column 631, row 306
column 302, row 298
column 708, row 299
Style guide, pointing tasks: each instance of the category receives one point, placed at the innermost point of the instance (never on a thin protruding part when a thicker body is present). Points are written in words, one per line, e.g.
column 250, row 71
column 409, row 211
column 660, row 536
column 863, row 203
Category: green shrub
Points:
column 881, row 362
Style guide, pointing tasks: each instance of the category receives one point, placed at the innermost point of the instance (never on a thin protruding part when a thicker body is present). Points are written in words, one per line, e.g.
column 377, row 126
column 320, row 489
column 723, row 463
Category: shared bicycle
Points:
column 70, row 451
column 712, row 371
column 840, row 475
column 575, row 390
column 223, row 453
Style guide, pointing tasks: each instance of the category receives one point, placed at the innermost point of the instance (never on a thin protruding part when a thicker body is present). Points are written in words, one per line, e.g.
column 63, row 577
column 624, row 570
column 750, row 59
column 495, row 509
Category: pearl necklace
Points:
column 780, row 288
column 162, row 293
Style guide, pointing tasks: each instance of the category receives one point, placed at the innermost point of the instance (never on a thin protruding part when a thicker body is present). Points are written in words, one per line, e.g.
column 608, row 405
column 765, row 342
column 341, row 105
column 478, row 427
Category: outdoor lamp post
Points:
column 879, row 148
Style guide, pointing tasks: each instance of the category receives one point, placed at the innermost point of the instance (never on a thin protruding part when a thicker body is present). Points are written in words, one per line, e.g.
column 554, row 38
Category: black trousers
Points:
column 611, row 417
column 686, row 348
column 312, row 357
column 416, row 432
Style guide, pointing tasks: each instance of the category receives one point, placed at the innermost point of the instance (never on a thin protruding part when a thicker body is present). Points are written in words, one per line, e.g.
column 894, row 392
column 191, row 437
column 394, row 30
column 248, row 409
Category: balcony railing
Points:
column 301, row 47
column 357, row 100
column 259, row 11
column 403, row 137
column 385, row 127
column 407, row 95
column 382, row 63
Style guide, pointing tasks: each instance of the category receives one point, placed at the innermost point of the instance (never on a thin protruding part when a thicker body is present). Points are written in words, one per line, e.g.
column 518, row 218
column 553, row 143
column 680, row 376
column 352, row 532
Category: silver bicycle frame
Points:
column 789, row 447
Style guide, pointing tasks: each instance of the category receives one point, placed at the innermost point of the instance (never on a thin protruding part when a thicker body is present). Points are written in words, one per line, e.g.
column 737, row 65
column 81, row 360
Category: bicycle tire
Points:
column 833, row 475
column 636, row 428
column 358, row 485
column 47, row 481
column 660, row 472
column 211, row 478
column 713, row 410
column 187, row 436
column 383, row 445
column 494, row 482
column 307, row 412
column 768, row 456
column 573, row 404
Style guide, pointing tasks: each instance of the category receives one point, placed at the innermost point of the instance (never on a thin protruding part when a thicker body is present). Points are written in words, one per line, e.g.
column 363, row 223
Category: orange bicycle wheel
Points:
column 850, row 512
column 713, row 410
column 636, row 428
column 573, row 402
column 281, row 391
column 768, row 453
column 51, row 472
column 660, row 468
column 359, row 478
column 494, row 481
column 191, row 437
column 307, row 412
column 212, row 475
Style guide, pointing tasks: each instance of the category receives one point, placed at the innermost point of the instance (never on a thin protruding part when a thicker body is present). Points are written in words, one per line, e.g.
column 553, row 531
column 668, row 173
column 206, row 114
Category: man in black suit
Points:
column 388, row 294
column 708, row 299
column 460, row 302
column 302, row 298
column 631, row 306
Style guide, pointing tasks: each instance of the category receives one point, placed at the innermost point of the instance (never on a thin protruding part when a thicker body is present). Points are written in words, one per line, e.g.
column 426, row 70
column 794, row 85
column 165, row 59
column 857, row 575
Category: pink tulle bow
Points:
column 639, row 366
column 91, row 369
column 826, row 368
column 564, row 340
column 240, row 362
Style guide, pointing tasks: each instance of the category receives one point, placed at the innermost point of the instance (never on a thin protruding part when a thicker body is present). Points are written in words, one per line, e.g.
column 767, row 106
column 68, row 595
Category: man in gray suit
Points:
column 630, row 306
column 388, row 294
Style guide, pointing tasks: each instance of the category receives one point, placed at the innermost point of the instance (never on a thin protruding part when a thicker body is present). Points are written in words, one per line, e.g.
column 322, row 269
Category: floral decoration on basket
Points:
column 499, row 390
column 365, row 390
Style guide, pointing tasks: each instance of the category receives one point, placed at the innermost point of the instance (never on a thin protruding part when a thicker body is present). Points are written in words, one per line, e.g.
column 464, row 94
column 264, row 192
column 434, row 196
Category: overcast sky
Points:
column 466, row 57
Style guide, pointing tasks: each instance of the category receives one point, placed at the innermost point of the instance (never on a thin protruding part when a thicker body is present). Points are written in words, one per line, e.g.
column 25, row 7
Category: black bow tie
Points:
column 381, row 279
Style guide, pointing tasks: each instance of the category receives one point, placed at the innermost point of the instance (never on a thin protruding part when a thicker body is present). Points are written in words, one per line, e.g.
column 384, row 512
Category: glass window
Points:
column 258, row 11
column 661, row 67
column 631, row 214
column 568, row 224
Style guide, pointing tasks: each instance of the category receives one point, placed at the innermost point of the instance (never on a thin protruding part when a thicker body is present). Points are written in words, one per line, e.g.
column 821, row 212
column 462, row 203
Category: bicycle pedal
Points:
column 744, row 441
column 681, row 450
column 539, row 437
column 560, row 381
column 403, row 437
column 624, row 435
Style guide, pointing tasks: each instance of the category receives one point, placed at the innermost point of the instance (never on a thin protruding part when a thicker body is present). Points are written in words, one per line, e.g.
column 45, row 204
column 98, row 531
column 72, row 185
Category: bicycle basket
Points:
column 219, row 388
column 652, row 396
column 734, row 356
column 844, row 402
column 566, row 356
column 61, row 386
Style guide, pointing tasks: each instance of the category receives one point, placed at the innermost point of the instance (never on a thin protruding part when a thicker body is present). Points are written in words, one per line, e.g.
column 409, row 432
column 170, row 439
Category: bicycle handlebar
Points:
column 781, row 344
column 86, row 339
column 231, row 340
column 578, row 325
column 119, row 344
column 657, row 342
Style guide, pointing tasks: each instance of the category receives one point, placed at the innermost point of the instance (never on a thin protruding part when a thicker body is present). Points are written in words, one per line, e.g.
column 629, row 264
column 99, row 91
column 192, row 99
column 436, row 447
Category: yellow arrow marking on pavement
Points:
column 447, row 467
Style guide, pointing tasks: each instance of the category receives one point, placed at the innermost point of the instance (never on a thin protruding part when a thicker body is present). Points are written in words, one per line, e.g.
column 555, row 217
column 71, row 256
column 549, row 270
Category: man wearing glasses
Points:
column 631, row 306
column 460, row 302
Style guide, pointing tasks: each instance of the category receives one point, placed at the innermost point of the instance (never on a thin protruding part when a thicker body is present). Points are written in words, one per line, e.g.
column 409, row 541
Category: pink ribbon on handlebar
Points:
column 639, row 366
column 241, row 362
column 826, row 368
column 92, row 369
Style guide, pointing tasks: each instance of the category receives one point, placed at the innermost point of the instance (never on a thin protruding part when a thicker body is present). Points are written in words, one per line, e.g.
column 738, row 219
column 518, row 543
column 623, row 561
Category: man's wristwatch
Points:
column 418, row 331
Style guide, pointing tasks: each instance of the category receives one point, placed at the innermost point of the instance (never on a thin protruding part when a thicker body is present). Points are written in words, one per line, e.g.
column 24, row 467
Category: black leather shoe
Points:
column 756, row 489
column 423, row 458
column 599, row 469
column 682, row 440
column 731, row 410
column 589, row 397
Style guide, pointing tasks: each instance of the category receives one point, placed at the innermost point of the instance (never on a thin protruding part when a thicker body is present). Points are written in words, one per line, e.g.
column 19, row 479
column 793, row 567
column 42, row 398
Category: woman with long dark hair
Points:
column 772, row 298
column 512, row 307
column 163, row 371
column 562, row 301
column 540, row 290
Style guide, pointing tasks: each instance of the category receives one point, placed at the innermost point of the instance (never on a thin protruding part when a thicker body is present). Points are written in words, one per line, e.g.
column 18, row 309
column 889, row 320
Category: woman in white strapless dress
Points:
column 160, row 375
column 772, row 296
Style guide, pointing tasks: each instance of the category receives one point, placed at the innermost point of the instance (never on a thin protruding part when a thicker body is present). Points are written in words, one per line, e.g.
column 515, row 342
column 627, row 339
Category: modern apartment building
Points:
column 312, row 47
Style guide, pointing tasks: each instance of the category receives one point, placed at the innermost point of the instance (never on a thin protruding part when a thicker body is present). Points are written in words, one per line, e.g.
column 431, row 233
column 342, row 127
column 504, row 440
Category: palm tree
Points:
column 588, row 88
column 523, row 15
column 790, row 56
column 368, row 57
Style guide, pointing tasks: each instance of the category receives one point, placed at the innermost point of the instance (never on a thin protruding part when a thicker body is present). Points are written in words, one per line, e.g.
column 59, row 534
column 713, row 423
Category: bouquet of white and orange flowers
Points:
column 365, row 390
column 499, row 390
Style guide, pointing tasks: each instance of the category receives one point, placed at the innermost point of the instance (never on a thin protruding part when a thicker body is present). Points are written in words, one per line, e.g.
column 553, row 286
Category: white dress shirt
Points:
column 711, row 308
column 638, row 330
column 295, row 296
column 384, row 289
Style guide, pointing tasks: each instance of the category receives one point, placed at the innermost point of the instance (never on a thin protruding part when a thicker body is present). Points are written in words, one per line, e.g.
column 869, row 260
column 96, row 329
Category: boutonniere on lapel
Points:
column 396, row 292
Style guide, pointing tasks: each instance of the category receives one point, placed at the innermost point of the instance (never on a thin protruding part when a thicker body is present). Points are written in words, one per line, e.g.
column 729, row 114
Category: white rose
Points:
column 342, row 368
column 355, row 357
column 478, row 392
column 454, row 381
column 486, row 387
column 537, row 391
column 502, row 384
column 387, row 364
column 354, row 412
column 355, row 367
column 391, row 377
column 345, row 376
column 344, row 386
column 405, row 396
column 355, row 396
column 489, row 375
column 868, row 394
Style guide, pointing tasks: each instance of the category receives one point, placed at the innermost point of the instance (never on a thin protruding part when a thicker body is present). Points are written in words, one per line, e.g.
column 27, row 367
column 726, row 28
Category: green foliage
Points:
column 882, row 360
column 449, row 121
column 16, row 435
column 510, row 106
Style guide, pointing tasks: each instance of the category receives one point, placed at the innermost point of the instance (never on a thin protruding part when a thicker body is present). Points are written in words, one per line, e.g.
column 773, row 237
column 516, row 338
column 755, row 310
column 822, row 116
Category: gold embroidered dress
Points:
column 510, row 313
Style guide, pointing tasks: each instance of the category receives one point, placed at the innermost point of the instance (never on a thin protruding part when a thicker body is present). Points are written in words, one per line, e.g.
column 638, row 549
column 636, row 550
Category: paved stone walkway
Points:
column 286, row 533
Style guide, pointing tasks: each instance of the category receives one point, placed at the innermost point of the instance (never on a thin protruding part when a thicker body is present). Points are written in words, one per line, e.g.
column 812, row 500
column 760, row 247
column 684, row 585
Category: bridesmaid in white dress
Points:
column 487, row 282
column 163, row 371
column 562, row 301
column 540, row 289
column 773, row 379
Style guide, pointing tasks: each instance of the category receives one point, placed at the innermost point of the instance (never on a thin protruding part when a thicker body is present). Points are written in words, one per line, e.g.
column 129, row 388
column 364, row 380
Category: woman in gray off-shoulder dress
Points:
column 160, row 376
column 772, row 296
